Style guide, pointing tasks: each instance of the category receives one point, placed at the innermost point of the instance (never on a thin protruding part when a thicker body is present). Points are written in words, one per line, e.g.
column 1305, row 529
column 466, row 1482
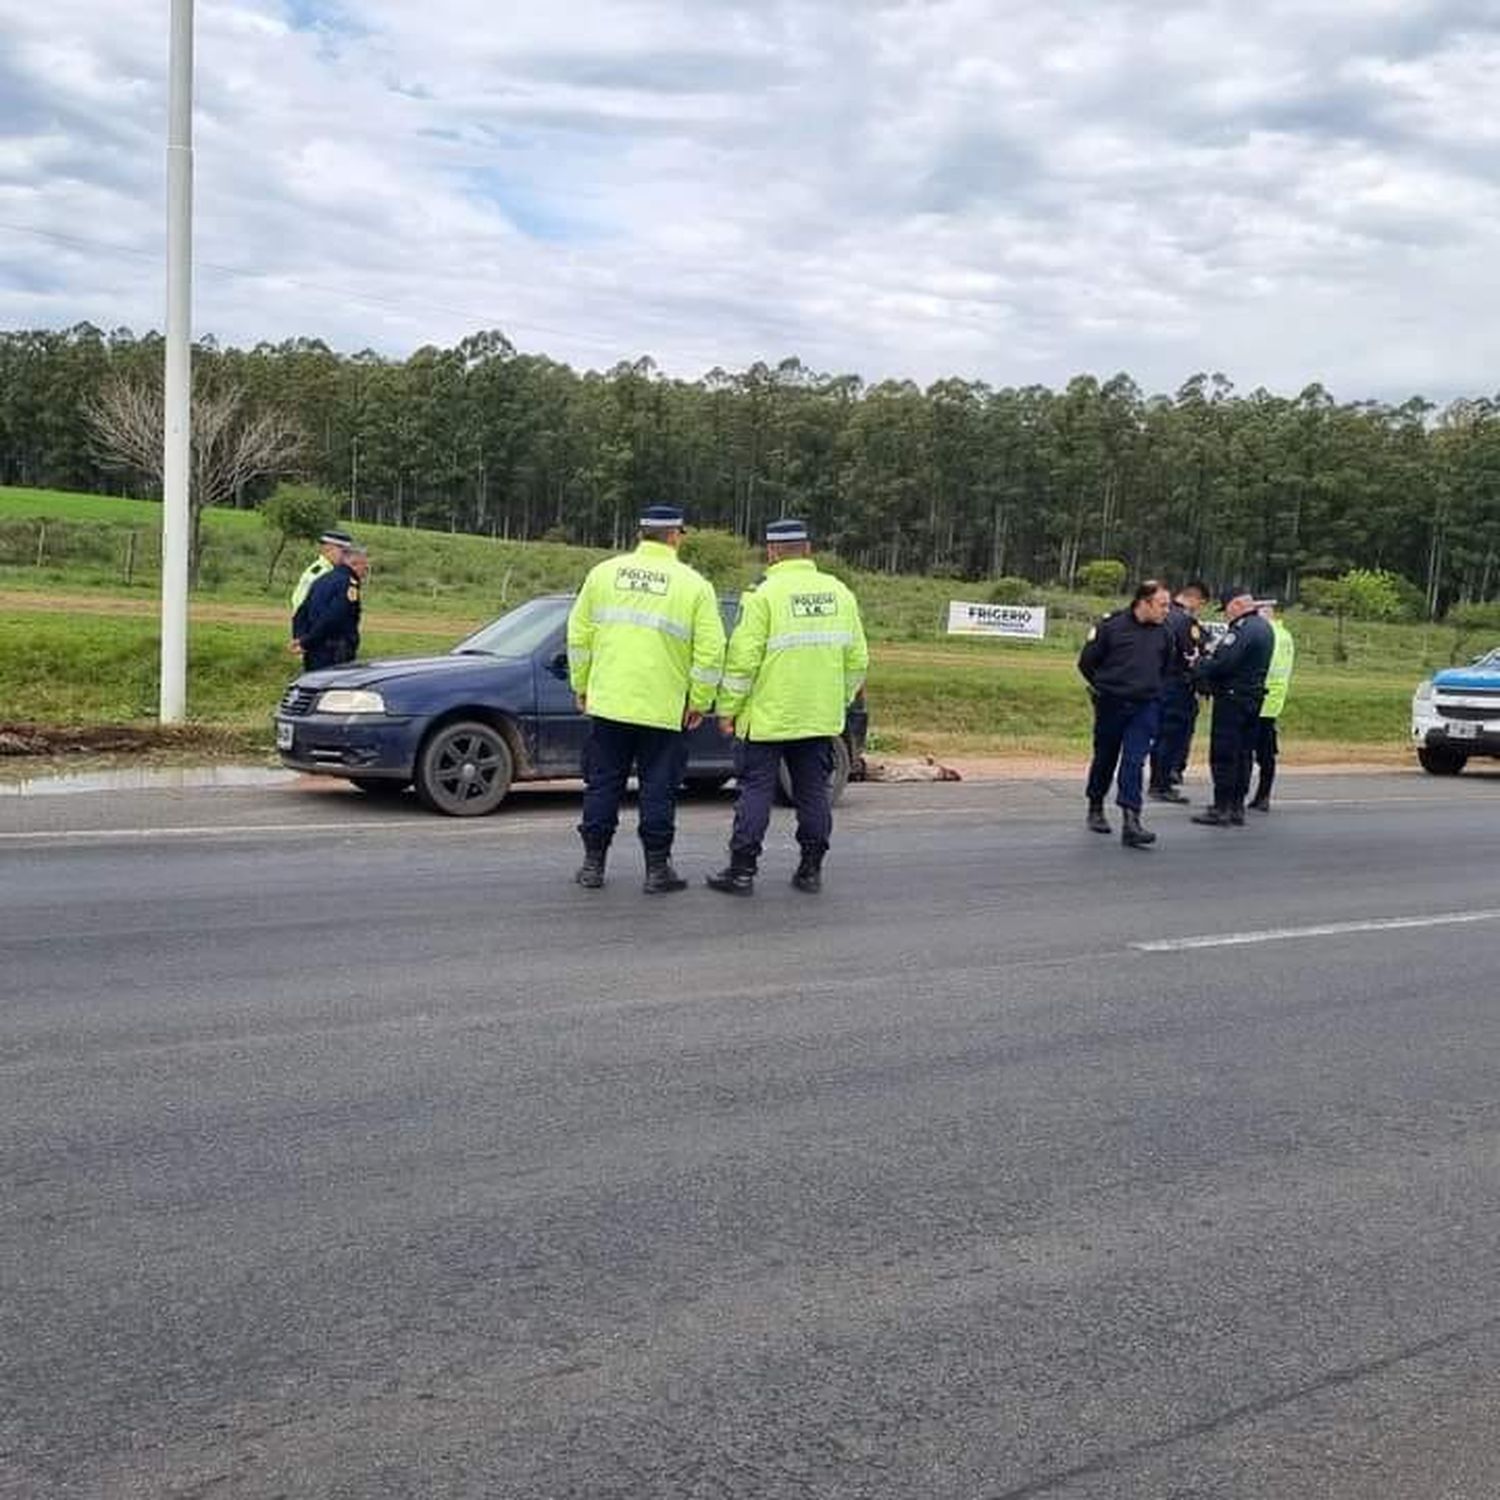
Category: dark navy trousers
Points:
column 611, row 752
column 330, row 653
column 809, row 763
column 1174, row 740
column 1123, row 732
column 1267, row 747
column 1231, row 746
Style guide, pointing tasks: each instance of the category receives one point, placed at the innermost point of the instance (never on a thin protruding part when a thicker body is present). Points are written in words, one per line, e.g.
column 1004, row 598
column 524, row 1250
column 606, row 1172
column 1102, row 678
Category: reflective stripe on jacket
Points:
column 645, row 641
column 797, row 657
column 1279, row 673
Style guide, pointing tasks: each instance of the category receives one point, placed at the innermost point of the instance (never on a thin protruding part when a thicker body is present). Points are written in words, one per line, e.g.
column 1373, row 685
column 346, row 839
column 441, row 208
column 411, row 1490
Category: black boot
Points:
column 809, row 876
column 737, row 878
column 1167, row 793
column 1096, row 820
column 661, row 878
column 1216, row 816
column 1236, row 814
column 1133, row 836
column 591, row 872
column 1261, row 801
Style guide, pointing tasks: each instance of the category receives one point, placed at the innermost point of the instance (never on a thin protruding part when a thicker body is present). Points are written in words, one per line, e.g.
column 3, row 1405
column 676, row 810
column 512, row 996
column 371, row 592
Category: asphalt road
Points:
column 350, row 1152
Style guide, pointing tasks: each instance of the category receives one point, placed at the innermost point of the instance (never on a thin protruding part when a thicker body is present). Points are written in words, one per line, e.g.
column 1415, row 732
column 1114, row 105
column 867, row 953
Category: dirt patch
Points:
column 135, row 741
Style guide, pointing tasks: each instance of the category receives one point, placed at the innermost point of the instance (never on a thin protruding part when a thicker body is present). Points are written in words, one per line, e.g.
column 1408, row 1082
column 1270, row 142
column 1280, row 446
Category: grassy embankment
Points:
column 79, row 579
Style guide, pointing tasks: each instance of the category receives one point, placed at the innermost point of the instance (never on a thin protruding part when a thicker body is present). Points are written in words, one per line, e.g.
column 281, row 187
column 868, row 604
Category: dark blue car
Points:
column 462, row 727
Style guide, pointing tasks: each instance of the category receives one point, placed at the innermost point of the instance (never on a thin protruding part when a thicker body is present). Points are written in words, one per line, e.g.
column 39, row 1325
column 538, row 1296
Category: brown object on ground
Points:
column 926, row 769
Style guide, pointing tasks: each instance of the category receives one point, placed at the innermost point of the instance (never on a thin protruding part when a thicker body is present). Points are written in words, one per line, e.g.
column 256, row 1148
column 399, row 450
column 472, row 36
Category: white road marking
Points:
column 1322, row 929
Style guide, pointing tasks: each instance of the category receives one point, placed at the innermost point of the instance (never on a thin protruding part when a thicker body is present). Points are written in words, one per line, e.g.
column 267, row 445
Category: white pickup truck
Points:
column 1455, row 714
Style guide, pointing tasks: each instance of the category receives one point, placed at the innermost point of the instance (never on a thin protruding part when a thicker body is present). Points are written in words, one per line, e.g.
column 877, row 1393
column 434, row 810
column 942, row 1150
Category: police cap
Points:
column 662, row 518
column 337, row 539
column 786, row 531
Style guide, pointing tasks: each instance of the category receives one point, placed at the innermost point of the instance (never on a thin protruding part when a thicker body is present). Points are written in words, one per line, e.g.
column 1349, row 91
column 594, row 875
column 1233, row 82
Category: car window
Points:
column 519, row 632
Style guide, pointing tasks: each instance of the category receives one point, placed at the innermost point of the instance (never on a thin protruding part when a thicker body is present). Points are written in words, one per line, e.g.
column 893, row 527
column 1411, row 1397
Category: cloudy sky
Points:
column 1284, row 190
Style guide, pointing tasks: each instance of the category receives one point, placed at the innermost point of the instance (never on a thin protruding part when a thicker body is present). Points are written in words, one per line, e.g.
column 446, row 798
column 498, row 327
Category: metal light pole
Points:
column 178, row 393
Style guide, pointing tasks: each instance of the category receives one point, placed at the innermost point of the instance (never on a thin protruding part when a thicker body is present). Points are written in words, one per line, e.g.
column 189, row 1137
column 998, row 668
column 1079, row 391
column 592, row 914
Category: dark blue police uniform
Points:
column 1124, row 662
column 1235, row 675
column 1179, row 703
column 326, row 626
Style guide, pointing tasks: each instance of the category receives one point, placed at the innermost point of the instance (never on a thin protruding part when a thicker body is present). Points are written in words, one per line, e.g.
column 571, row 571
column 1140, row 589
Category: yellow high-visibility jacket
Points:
column 645, row 641
column 310, row 575
column 797, row 657
column 1279, row 673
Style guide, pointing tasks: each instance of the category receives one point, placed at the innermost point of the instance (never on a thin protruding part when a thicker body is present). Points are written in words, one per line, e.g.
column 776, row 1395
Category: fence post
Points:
column 41, row 542
column 130, row 542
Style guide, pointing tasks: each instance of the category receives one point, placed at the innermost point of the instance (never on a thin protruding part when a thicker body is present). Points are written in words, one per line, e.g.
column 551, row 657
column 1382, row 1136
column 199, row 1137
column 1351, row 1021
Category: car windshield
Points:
column 1489, row 659
column 517, row 633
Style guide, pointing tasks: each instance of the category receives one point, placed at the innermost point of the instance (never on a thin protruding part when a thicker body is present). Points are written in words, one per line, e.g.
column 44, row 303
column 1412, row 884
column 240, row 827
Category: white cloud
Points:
column 1286, row 192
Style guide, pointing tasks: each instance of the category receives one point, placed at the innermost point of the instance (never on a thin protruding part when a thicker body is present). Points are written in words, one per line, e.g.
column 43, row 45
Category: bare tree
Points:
column 233, row 442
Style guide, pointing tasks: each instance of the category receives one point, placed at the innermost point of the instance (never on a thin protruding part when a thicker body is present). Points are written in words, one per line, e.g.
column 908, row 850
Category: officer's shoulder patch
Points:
column 1195, row 633
column 353, row 593
column 1228, row 638
column 1093, row 634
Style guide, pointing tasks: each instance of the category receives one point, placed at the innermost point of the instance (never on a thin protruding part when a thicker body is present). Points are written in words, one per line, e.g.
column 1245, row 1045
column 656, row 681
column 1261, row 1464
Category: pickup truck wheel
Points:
column 464, row 770
column 836, row 783
column 382, row 788
column 1441, row 760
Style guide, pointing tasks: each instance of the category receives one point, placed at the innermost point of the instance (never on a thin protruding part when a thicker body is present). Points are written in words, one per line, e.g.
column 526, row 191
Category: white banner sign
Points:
column 1018, row 622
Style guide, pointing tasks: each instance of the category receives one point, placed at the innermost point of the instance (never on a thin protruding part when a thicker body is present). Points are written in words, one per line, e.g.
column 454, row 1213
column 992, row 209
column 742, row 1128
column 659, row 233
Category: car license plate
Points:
column 284, row 735
column 1463, row 729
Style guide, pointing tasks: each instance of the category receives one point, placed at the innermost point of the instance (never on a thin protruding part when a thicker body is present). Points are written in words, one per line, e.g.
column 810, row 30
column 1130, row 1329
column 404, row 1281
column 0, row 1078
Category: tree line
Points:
column 961, row 478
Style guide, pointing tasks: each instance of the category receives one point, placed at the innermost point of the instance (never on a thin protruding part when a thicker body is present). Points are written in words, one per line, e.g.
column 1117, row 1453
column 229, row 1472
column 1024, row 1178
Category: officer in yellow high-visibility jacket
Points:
column 331, row 548
column 1278, row 684
column 797, row 660
column 645, row 652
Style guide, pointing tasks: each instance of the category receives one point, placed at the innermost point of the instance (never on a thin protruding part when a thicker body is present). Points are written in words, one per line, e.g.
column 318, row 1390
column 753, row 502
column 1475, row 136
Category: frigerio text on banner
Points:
column 1017, row 622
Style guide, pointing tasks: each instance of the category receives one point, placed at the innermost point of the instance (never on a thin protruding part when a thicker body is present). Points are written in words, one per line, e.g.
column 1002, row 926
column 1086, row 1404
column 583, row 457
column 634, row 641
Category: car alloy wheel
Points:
column 464, row 770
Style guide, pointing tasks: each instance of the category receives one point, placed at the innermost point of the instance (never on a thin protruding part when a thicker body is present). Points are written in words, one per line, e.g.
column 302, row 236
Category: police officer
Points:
column 1234, row 673
column 329, row 617
column 645, row 652
column 1179, row 699
column 796, row 661
column 1124, row 661
column 331, row 547
column 1278, row 683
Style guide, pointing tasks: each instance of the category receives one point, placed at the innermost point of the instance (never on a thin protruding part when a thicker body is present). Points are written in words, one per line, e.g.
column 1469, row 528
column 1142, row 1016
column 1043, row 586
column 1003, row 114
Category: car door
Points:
column 709, row 752
column 560, row 728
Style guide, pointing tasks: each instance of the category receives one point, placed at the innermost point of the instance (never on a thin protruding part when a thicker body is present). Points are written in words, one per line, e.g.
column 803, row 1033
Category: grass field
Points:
column 78, row 642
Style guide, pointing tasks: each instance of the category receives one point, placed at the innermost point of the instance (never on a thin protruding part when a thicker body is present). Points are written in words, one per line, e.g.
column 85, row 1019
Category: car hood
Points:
column 450, row 668
column 1468, row 677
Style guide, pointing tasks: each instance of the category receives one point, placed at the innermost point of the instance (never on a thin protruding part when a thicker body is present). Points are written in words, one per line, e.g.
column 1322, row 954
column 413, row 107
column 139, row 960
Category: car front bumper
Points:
column 375, row 745
column 1466, row 736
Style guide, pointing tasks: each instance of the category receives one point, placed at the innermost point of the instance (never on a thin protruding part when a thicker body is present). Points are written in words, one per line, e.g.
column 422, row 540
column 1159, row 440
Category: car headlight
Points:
column 350, row 701
column 1423, row 693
